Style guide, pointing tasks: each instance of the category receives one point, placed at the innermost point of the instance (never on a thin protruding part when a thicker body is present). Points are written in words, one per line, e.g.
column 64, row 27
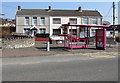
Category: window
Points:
column 73, row 20
column 74, row 31
column 85, row 20
column 42, row 20
column 27, row 31
column 65, row 30
column 94, row 20
column 56, row 31
column 34, row 20
column 56, row 21
column 26, row 20
column 93, row 30
column 42, row 30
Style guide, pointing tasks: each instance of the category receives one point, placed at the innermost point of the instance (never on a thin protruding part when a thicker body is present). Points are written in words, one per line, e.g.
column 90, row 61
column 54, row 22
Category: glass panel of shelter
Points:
column 79, row 32
column 75, row 35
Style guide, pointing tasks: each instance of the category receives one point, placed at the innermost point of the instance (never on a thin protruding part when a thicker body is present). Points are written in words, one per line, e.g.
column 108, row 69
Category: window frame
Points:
column 33, row 20
column 73, row 19
column 56, row 19
column 27, row 31
column 95, row 19
column 56, row 30
column 85, row 19
column 26, row 20
column 42, row 29
column 42, row 21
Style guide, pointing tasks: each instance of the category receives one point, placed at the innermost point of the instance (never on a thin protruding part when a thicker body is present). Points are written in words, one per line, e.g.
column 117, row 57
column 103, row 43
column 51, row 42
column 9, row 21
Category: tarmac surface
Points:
column 74, row 67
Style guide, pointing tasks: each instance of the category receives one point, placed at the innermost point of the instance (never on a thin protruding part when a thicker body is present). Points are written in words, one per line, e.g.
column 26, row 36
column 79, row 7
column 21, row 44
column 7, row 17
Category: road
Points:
column 60, row 68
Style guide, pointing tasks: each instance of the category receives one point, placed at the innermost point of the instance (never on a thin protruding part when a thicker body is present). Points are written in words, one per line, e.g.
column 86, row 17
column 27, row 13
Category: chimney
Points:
column 49, row 8
column 80, row 9
column 19, row 8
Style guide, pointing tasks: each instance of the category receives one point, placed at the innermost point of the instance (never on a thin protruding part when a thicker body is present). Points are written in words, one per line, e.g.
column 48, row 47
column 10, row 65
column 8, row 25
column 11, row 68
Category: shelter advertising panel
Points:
column 101, row 39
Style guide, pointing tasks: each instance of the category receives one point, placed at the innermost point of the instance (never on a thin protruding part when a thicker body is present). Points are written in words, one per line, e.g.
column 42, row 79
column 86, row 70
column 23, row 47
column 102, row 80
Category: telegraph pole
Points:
column 114, row 20
column 113, row 13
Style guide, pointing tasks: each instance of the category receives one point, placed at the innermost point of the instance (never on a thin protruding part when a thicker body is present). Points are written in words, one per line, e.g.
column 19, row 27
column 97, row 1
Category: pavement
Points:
column 56, row 49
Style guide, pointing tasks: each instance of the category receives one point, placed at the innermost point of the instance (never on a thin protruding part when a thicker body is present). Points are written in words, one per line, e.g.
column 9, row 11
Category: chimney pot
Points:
column 80, row 9
column 19, row 7
column 49, row 7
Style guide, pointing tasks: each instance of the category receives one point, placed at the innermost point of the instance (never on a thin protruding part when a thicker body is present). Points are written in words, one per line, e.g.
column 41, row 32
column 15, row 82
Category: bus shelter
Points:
column 77, row 35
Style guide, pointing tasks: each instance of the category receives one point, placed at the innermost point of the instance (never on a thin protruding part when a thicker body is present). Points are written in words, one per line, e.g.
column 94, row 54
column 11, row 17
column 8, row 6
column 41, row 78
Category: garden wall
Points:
column 18, row 42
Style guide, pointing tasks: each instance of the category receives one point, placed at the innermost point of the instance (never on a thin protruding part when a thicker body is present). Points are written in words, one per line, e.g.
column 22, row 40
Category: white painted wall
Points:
column 20, row 23
column 20, row 20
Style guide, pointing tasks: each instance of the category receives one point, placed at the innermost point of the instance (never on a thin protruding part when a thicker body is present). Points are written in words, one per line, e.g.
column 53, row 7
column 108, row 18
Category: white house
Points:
column 31, row 21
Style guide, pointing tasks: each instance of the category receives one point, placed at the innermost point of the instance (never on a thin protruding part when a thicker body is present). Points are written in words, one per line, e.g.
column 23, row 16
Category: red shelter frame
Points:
column 71, row 41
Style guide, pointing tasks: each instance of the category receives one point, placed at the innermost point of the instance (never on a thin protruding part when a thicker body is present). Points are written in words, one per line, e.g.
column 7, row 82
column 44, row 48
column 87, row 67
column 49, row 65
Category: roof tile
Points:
column 58, row 12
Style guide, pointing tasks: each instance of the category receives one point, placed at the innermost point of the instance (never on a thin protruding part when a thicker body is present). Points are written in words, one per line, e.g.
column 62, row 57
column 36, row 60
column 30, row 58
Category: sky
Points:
column 105, row 8
column 119, row 13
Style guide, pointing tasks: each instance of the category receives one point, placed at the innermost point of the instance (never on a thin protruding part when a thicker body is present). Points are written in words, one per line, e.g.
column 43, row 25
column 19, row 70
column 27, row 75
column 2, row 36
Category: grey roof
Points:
column 58, row 12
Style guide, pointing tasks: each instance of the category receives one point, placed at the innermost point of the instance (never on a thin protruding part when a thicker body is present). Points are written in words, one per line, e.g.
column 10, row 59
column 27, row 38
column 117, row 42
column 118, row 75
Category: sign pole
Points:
column 48, row 46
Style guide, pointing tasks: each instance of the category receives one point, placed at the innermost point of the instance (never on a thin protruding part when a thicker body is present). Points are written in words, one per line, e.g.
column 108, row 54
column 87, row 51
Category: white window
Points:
column 26, row 20
column 73, row 20
column 94, row 21
column 85, row 20
column 56, row 21
column 42, row 30
column 42, row 20
column 34, row 20
column 27, row 31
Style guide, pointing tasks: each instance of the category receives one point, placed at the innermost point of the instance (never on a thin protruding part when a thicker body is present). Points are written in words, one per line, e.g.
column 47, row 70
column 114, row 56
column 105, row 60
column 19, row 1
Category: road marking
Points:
column 67, row 60
column 102, row 56
column 28, row 63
